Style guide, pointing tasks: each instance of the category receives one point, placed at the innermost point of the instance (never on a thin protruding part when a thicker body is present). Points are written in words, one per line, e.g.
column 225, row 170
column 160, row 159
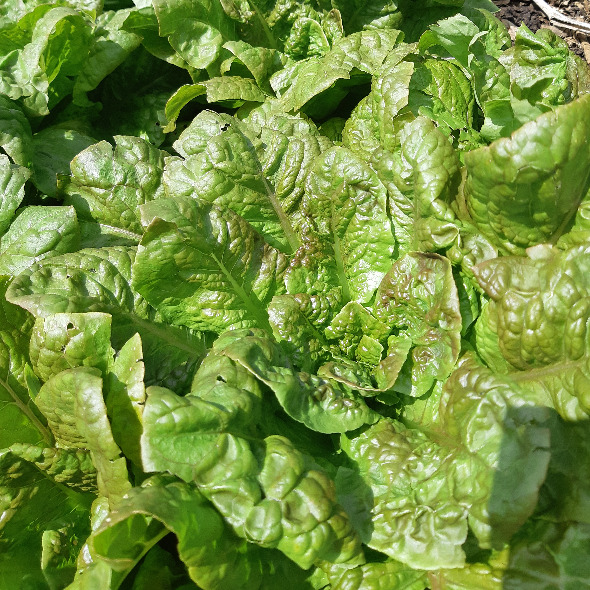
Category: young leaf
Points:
column 342, row 196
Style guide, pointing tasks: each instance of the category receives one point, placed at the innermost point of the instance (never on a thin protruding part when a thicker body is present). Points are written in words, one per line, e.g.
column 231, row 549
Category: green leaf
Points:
column 343, row 195
column 421, row 180
column 110, row 46
column 351, row 324
column 35, row 499
column 378, row 576
column 108, row 185
column 36, row 234
column 422, row 480
column 15, row 132
column 364, row 51
column 532, row 179
column 261, row 62
column 54, row 54
column 68, row 340
column 72, row 401
column 283, row 502
column 222, row 165
column 548, row 555
column 12, row 191
column 212, row 554
column 196, row 30
column 100, row 280
column 296, row 321
column 224, row 89
column 537, row 312
column 419, row 297
column 21, row 422
column 126, row 397
column 53, row 150
column 217, row 282
column 321, row 405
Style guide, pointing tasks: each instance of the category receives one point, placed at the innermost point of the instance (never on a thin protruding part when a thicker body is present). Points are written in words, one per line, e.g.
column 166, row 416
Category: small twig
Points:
column 561, row 20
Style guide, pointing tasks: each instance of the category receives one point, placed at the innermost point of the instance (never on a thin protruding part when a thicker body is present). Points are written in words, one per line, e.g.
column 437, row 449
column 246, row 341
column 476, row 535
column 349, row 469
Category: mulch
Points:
column 514, row 12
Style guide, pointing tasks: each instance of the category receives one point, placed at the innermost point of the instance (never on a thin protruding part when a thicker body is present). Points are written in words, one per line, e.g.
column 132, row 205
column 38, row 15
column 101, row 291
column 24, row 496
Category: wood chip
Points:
column 561, row 20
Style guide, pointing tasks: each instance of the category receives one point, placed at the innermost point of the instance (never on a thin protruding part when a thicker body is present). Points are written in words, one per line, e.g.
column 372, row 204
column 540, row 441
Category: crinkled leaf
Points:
column 100, row 280
column 343, row 197
column 279, row 503
column 221, row 165
column 321, row 405
column 296, row 324
column 107, row 185
column 421, row 179
column 36, row 234
column 364, row 51
column 67, row 340
column 12, row 191
column 72, row 401
column 205, row 268
column 423, row 484
column 419, row 297
column 196, row 30
column 524, row 190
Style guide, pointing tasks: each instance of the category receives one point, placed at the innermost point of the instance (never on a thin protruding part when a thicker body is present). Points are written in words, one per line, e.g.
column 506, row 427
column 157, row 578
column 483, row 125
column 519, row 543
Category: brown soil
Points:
column 514, row 12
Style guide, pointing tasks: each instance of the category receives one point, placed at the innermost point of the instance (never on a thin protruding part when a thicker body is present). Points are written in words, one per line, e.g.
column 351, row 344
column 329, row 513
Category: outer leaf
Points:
column 532, row 179
column 36, row 234
column 108, row 185
column 555, row 559
column 222, row 166
column 196, row 30
column 423, row 481
column 74, row 406
column 342, row 197
column 214, row 557
column 68, row 340
column 540, row 305
column 99, row 280
column 205, row 268
column 364, row 51
column 34, row 499
column 110, row 46
column 53, row 150
column 233, row 89
column 285, row 503
column 15, row 132
column 12, row 180
column 126, row 398
column 21, row 423
column 538, row 315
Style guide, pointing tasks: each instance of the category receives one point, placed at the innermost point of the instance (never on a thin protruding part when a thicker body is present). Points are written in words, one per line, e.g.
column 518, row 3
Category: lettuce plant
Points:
column 292, row 295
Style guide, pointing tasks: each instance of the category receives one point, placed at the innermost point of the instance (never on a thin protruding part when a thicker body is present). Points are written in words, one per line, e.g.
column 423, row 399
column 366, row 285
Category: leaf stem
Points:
column 45, row 433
